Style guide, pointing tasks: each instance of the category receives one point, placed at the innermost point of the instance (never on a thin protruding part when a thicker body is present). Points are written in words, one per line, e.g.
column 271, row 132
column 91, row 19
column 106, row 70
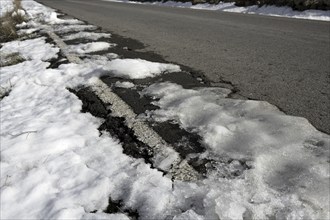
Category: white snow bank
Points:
column 90, row 47
column 31, row 49
column 137, row 68
column 230, row 7
column 290, row 158
column 86, row 35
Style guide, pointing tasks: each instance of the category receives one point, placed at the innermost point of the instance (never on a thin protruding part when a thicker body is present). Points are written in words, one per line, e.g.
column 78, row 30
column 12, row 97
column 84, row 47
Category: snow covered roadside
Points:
column 230, row 7
column 290, row 157
column 55, row 164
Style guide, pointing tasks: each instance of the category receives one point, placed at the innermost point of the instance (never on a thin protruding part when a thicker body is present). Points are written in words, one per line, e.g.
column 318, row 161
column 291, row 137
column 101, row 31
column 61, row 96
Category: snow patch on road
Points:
column 126, row 85
column 74, row 28
column 90, row 47
column 138, row 69
column 86, row 35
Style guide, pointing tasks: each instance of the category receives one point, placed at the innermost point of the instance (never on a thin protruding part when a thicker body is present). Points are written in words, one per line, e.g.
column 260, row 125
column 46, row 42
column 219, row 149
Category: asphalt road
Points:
column 283, row 61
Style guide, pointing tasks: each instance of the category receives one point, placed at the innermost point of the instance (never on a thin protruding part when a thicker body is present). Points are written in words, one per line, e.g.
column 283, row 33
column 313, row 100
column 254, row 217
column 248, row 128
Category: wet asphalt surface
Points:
column 283, row 61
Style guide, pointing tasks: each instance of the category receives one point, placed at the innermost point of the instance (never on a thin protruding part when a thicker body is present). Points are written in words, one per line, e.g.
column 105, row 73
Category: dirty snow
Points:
column 230, row 7
column 100, row 59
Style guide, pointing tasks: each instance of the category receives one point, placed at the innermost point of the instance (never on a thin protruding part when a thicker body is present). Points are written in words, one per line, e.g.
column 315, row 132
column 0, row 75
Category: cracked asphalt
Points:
column 283, row 61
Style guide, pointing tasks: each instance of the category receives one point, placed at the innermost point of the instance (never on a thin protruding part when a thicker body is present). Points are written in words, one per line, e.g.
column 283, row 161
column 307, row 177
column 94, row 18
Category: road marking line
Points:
column 165, row 157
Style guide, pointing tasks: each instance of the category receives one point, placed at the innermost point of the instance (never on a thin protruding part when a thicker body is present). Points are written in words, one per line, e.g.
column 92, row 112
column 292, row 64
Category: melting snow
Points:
column 31, row 49
column 138, row 69
column 90, row 47
column 74, row 28
column 55, row 165
column 86, row 35
column 53, row 19
column 290, row 158
column 127, row 85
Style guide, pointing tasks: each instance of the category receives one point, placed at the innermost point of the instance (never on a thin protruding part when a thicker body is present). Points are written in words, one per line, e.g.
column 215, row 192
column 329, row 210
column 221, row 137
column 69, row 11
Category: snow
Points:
column 55, row 164
column 90, row 47
column 31, row 49
column 36, row 11
column 230, row 7
column 138, row 69
column 288, row 155
column 19, row 12
column 53, row 19
column 126, row 85
column 6, row 6
column 188, row 215
column 27, row 31
column 74, row 28
column 87, row 35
